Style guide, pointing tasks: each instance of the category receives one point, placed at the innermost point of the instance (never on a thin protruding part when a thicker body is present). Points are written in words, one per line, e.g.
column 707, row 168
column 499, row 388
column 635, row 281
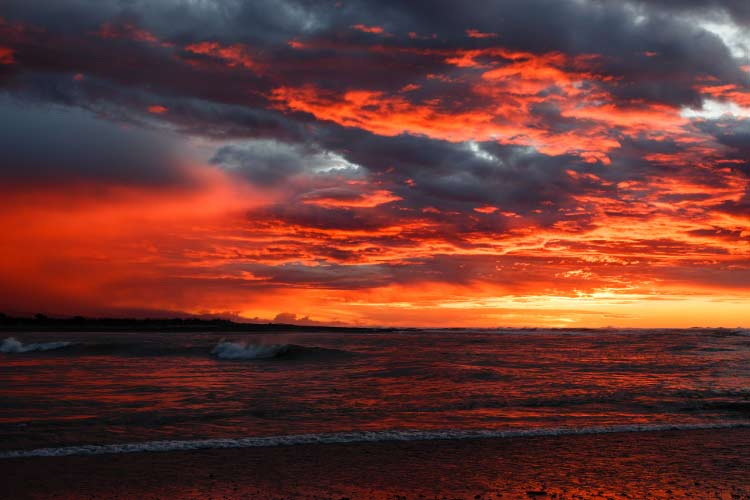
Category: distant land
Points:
column 40, row 322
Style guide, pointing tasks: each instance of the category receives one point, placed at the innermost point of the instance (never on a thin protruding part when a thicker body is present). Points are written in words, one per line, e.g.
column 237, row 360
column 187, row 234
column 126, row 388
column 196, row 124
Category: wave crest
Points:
column 244, row 350
column 13, row 345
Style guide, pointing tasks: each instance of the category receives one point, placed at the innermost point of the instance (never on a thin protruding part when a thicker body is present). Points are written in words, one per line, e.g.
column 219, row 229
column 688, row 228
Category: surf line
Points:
column 346, row 437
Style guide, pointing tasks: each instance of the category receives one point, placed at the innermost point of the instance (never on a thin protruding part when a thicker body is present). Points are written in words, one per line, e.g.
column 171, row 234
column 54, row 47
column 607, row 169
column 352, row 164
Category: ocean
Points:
column 93, row 393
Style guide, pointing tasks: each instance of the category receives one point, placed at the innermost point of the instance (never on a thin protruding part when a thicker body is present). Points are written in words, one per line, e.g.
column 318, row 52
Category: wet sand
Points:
column 705, row 464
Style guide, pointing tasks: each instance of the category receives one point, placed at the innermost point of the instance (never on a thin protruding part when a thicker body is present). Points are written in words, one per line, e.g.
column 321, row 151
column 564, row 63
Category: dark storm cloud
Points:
column 130, row 104
column 313, row 216
column 133, row 63
column 609, row 29
column 180, row 20
column 327, row 275
column 58, row 145
column 346, row 60
column 422, row 173
column 224, row 121
column 143, row 59
column 731, row 132
column 459, row 176
column 269, row 163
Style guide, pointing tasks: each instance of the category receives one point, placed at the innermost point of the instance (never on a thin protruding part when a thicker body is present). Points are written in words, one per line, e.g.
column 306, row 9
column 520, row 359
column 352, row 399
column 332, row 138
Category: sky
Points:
column 558, row 163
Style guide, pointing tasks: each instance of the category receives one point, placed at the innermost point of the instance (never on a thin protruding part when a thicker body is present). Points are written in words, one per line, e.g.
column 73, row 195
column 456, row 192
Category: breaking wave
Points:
column 247, row 351
column 244, row 350
column 225, row 350
column 349, row 437
column 12, row 345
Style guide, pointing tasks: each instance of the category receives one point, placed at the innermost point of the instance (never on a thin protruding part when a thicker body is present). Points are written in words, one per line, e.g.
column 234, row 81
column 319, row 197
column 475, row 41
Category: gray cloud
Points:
column 270, row 162
column 58, row 144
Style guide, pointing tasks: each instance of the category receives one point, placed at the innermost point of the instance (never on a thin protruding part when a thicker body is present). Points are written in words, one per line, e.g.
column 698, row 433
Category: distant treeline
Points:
column 40, row 322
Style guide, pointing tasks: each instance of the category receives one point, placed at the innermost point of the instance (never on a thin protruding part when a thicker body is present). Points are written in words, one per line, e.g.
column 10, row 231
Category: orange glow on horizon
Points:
column 105, row 253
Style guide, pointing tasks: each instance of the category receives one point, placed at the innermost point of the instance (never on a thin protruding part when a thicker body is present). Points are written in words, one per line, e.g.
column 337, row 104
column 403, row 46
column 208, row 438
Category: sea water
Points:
column 86, row 393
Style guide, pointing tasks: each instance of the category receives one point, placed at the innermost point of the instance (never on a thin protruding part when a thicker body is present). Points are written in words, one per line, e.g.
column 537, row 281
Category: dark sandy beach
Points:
column 700, row 464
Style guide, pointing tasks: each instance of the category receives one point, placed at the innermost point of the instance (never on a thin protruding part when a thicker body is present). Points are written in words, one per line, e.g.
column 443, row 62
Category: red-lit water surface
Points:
column 134, row 387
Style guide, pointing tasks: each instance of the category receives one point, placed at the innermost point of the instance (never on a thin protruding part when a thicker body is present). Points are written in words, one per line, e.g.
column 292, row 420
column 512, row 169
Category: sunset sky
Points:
column 376, row 162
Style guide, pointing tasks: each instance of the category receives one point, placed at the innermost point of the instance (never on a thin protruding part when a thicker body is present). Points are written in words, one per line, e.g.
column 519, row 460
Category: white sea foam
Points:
column 347, row 437
column 242, row 350
column 12, row 345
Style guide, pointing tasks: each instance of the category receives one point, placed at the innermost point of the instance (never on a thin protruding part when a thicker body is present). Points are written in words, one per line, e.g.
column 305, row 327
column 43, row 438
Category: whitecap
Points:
column 243, row 350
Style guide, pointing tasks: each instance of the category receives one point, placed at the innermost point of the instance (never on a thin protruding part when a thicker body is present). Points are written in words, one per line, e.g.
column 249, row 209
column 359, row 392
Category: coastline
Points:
column 707, row 463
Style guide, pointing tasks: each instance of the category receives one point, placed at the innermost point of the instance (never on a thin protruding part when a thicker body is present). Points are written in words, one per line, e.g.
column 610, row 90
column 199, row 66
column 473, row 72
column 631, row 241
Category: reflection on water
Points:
column 131, row 387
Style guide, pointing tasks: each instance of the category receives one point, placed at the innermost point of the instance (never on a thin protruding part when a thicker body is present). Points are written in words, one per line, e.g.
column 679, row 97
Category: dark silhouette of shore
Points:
column 40, row 322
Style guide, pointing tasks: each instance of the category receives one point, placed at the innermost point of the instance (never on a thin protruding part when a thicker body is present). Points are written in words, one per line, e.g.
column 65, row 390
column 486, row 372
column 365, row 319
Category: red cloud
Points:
column 488, row 209
column 375, row 30
column 341, row 198
column 157, row 109
column 233, row 55
column 6, row 55
column 471, row 33
column 128, row 31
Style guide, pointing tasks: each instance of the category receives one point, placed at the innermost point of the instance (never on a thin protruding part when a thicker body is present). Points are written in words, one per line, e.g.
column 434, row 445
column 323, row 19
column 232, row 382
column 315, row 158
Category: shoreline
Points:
column 707, row 463
column 352, row 437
